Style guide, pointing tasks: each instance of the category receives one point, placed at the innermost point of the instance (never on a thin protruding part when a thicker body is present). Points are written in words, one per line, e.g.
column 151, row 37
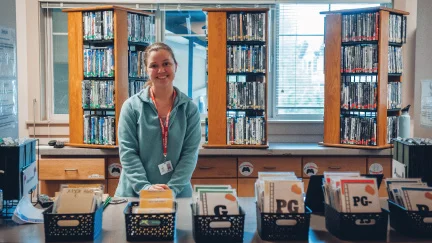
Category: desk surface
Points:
column 113, row 228
column 275, row 149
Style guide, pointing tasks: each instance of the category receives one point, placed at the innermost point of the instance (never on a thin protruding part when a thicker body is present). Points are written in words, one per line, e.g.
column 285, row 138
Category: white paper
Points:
column 426, row 103
column 25, row 212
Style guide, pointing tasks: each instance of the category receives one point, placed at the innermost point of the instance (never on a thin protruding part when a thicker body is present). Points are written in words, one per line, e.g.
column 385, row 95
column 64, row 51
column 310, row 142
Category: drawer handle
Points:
column 205, row 167
column 269, row 167
column 334, row 167
column 71, row 169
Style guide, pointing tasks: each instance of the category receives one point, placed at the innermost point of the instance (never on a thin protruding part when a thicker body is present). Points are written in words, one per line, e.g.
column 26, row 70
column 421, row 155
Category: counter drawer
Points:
column 72, row 169
column 214, row 167
column 333, row 164
column 267, row 163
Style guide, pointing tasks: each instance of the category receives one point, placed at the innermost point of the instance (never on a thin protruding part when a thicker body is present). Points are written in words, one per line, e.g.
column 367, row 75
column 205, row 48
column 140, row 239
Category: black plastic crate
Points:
column 410, row 223
column 149, row 227
column 356, row 226
column 269, row 230
column 13, row 159
column 89, row 225
column 207, row 228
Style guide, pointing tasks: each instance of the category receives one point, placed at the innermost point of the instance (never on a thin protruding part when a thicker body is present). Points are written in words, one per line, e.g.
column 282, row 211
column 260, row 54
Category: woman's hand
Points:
column 158, row 187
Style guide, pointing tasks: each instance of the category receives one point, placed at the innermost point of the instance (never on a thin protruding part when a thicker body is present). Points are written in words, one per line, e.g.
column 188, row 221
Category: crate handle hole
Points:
column 363, row 222
column 286, row 222
column 220, row 224
column 427, row 220
column 68, row 223
column 149, row 222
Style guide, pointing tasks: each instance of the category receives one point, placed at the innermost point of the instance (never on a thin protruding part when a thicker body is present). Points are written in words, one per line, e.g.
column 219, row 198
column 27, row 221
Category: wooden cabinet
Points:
column 246, row 187
column 56, row 171
column 216, row 167
column 334, row 164
column 358, row 87
column 267, row 163
column 230, row 66
column 113, row 72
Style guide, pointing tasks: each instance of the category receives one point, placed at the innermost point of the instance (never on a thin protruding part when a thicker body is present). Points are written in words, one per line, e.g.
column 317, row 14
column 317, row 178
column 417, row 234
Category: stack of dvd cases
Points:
column 99, row 61
column 97, row 94
column 392, row 128
column 136, row 86
column 395, row 64
column 246, row 58
column 141, row 28
column 359, row 58
column 360, row 27
column 99, row 129
column 246, row 27
column 246, row 95
column 394, row 95
column 141, row 33
column 98, row 25
column 397, row 28
column 243, row 129
column 136, row 64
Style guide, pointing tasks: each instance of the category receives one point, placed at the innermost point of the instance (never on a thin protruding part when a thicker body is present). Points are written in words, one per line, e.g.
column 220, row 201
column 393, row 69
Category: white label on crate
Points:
column 376, row 169
column 365, row 221
column 29, row 178
column 310, row 169
column 95, row 176
column 246, row 168
column 399, row 169
column 114, row 169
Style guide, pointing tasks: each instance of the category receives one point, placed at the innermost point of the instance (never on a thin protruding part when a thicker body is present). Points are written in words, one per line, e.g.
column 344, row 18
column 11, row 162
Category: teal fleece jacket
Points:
column 140, row 140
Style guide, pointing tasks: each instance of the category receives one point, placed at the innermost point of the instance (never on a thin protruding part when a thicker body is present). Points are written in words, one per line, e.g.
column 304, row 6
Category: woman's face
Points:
column 161, row 68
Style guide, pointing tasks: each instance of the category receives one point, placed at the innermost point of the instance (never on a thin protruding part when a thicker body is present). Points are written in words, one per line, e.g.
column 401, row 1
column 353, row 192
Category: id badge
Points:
column 165, row 167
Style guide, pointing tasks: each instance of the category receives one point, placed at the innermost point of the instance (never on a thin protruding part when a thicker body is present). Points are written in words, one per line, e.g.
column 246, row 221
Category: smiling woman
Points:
column 159, row 131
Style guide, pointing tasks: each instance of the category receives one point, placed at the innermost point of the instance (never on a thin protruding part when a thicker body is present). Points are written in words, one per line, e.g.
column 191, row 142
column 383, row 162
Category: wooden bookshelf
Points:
column 333, row 74
column 217, row 75
column 76, row 44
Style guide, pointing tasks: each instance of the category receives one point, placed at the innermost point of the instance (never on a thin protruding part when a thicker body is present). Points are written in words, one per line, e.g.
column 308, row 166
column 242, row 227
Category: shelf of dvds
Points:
column 237, row 77
column 363, row 76
column 106, row 45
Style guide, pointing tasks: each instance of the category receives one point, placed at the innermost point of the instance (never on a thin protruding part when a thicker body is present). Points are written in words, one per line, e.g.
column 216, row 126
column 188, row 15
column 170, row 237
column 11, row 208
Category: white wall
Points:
column 423, row 61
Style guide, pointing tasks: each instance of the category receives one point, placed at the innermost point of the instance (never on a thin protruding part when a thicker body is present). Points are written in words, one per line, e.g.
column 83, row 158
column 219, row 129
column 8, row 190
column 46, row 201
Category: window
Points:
column 185, row 34
column 299, row 81
column 56, row 68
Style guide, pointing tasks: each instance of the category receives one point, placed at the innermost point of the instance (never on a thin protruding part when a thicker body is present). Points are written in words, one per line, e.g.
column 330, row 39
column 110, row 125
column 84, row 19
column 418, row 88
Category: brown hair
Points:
column 156, row 47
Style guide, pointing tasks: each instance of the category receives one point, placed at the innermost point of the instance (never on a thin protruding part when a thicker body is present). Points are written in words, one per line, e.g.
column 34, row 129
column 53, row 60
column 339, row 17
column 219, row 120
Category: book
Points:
column 75, row 200
column 359, row 195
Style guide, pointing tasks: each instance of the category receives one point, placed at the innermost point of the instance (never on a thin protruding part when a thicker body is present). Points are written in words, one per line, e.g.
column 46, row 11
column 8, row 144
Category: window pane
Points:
column 300, row 73
column 61, row 74
column 301, row 19
column 181, row 30
column 59, row 21
column 185, row 22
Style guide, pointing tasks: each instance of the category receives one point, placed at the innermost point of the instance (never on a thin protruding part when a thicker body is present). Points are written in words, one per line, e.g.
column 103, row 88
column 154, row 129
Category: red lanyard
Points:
column 164, row 126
